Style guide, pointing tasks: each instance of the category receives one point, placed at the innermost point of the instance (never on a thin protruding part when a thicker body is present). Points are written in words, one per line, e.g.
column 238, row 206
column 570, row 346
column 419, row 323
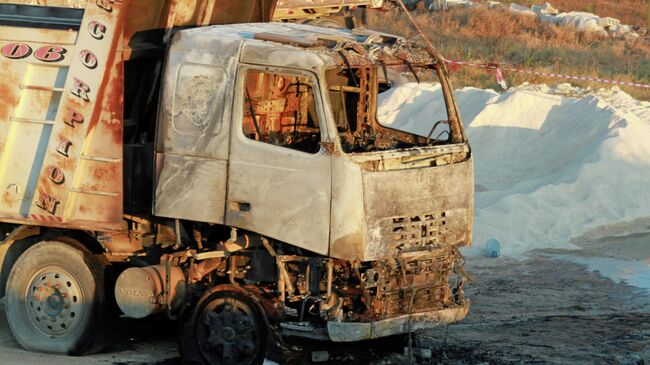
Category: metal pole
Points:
column 417, row 27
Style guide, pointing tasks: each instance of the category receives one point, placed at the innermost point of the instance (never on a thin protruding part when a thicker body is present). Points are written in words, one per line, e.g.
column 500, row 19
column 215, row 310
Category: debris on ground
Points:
column 582, row 21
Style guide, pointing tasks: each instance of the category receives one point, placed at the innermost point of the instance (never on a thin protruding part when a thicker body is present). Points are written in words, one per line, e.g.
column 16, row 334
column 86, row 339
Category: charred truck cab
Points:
column 361, row 223
column 281, row 205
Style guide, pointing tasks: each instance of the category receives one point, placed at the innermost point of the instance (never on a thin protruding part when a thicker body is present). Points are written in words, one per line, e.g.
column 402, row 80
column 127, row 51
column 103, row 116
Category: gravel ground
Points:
column 544, row 308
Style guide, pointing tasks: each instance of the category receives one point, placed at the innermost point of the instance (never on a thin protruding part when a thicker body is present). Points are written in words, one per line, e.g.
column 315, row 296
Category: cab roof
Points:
column 353, row 48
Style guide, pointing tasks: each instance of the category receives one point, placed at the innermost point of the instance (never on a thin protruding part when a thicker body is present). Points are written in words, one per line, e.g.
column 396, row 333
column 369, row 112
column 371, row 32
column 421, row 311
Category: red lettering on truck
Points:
column 55, row 174
column 50, row 54
column 47, row 202
column 64, row 146
column 88, row 59
column 97, row 30
column 16, row 51
column 106, row 5
column 72, row 117
column 80, row 89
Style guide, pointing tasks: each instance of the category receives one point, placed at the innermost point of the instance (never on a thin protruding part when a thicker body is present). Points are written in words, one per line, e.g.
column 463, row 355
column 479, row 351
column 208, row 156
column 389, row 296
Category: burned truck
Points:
column 232, row 177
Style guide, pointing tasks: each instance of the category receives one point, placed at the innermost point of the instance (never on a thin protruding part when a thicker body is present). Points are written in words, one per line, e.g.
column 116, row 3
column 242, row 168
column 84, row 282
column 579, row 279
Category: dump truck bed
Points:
column 62, row 86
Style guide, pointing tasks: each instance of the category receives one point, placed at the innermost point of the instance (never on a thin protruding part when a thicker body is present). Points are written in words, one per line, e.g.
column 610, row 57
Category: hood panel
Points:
column 418, row 209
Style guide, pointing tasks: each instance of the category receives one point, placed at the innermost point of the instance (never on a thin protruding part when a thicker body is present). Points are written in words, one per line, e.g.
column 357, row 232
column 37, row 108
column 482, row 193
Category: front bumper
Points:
column 359, row 331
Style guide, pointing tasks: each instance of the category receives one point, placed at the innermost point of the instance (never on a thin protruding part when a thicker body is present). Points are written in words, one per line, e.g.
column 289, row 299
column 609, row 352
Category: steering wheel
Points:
column 429, row 140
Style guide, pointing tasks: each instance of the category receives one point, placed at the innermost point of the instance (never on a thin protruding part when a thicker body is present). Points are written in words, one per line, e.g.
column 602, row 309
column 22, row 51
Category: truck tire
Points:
column 226, row 327
column 55, row 299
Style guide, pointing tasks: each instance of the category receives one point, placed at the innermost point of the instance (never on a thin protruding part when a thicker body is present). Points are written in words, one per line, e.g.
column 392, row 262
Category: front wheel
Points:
column 55, row 299
column 227, row 327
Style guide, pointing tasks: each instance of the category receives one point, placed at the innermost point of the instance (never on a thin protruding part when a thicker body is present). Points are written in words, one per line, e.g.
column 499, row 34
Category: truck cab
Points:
column 234, row 177
column 272, row 128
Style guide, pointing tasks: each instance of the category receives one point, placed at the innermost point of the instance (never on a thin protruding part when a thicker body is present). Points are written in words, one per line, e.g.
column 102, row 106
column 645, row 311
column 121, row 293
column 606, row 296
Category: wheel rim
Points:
column 228, row 332
column 54, row 301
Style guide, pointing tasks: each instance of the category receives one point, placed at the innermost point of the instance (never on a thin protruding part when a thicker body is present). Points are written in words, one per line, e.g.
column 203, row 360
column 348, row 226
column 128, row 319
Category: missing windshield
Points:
column 382, row 107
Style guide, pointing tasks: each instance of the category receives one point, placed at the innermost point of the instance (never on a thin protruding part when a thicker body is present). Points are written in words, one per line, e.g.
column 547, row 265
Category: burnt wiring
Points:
column 349, row 69
column 251, row 109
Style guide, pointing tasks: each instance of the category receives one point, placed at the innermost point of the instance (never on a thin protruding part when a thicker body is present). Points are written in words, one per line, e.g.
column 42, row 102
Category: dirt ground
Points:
column 545, row 308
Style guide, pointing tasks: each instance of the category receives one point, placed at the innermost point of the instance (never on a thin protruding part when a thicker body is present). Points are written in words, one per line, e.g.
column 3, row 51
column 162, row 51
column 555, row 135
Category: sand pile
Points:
column 549, row 168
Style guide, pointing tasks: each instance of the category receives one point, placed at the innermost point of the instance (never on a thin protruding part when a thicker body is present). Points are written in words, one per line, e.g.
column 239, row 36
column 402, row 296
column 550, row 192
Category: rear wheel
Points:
column 227, row 327
column 56, row 299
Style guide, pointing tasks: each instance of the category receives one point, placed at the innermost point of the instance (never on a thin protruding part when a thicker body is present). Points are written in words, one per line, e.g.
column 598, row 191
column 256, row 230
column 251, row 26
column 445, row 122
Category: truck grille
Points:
column 416, row 284
column 413, row 231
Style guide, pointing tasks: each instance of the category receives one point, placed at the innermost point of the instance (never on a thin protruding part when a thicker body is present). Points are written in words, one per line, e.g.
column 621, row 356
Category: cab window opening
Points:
column 280, row 109
column 355, row 93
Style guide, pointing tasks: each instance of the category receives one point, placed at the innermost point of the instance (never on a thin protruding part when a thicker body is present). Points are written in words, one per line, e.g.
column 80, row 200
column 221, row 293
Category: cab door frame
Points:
column 278, row 192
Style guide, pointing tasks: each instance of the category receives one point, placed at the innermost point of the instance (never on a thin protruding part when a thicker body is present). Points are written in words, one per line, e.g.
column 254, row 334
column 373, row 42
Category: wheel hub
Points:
column 229, row 334
column 54, row 301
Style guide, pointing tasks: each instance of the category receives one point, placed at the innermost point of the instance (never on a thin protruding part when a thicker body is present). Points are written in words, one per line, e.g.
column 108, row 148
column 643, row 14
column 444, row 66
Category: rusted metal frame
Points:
column 369, row 86
column 384, row 70
column 348, row 89
column 251, row 110
column 298, row 112
column 358, row 55
column 348, row 132
column 458, row 134
column 281, row 260
column 362, row 105
column 330, row 277
column 348, row 66
column 367, row 112
column 206, row 7
column 371, row 111
column 232, row 270
column 406, row 277
column 282, row 274
column 410, row 67
column 456, row 125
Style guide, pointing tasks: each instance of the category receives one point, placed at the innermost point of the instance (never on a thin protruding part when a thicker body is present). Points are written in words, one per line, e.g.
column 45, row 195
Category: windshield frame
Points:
column 401, row 139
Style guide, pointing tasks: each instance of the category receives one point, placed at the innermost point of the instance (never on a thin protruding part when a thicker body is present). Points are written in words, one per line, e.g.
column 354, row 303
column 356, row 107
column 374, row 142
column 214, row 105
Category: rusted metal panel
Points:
column 28, row 111
column 429, row 208
column 147, row 26
column 358, row 331
column 150, row 18
column 65, row 119
column 89, row 87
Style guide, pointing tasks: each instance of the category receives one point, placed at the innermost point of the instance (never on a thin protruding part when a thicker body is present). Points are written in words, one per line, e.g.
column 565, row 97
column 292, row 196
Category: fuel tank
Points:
column 143, row 291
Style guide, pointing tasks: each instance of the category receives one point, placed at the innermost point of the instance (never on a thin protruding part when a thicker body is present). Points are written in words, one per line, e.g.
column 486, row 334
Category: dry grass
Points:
column 500, row 36
column 632, row 12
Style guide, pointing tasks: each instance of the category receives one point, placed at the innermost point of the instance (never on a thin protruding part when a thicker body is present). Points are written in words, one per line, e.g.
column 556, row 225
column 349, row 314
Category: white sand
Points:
column 549, row 168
